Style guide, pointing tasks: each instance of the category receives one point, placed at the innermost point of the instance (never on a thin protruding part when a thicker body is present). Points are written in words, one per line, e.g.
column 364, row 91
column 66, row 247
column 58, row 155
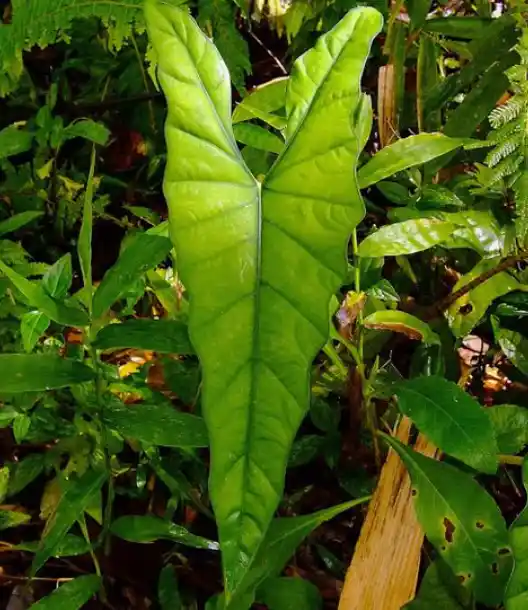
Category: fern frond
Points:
column 507, row 112
column 504, row 149
column 505, row 168
column 44, row 22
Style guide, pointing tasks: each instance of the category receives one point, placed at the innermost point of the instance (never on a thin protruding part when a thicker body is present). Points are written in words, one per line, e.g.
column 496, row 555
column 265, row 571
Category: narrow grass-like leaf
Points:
column 243, row 250
column 462, row 521
column 76, row 495
column 148, row 528
column 84, row 243
column 72, row 595
column 143, row 253
column 71, row 546
column 39, row 298
column 164, row 336
column 454, row 421
column 17, row 221
column 157, row 425
column 36, row 372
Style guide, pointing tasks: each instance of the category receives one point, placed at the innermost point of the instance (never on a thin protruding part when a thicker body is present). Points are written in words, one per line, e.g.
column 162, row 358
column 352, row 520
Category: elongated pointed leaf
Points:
column 17, row 221
column 406, row 237
column 148, row 528
column 165, row 336
column 411, row 151
column 157, row 425
column 462, row 521
column 258, row 137
column 144, row 253
column 40, row 299
column 517, row 593
column 402, row 322
column 454, row 421
column 35, row 372
column 72, row 595
column 84, row 243
column 244, row 252
column 77, row 494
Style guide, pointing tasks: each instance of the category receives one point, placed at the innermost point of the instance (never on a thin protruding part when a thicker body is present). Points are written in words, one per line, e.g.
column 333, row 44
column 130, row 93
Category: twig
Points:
column 506, row 263
column 269, row 52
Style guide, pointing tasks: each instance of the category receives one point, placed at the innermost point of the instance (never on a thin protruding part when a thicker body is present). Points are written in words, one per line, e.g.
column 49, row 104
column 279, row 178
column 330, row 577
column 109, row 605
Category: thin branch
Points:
column 506, row 263
column 269, row 52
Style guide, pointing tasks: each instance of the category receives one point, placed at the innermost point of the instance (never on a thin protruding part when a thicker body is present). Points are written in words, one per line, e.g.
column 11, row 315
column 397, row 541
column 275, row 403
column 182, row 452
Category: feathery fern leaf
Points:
column 44, row 22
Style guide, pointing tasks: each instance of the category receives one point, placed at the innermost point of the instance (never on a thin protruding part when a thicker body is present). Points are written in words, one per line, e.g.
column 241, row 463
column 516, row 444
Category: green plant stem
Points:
column 511, row 460
column 86, row 535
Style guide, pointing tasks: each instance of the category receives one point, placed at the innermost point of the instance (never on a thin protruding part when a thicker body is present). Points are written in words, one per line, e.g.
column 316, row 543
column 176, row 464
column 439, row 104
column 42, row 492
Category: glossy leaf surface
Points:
column 405, row 153
column 148, row 528
column 164, row 336
column 34, row 372
column 76, row 496
column 402, row 322
column 143, row 253
column 71, row 595
column 251, row 246
column 517, row 593
column 462, row 521
column 157, row 424
column 406, row 237
column 454, row 421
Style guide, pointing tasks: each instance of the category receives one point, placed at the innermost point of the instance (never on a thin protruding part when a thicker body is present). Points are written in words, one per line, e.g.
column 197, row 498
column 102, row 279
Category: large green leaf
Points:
column 76, row 496
column 71, row 595
column 157, row 425
column 455, row 422
column 462, row 521
column 165, row 336
column 244, row 252
column 517, row 593
column 35, row 372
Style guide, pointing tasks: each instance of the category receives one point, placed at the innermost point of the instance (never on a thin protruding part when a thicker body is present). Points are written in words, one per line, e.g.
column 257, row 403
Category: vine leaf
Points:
column 462, row 521
column 244, row 249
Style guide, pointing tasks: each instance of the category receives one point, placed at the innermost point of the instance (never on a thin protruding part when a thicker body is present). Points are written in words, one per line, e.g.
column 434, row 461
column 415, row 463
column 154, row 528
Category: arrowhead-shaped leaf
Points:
column 245, row 252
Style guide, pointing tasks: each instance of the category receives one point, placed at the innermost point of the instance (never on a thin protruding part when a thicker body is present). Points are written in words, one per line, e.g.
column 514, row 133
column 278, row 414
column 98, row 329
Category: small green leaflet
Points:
column 462, row 521
column 72, row 595
column 148, row 528
column 12, row 518
column 454, row 421
column 513, row 344
column 35, row 372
